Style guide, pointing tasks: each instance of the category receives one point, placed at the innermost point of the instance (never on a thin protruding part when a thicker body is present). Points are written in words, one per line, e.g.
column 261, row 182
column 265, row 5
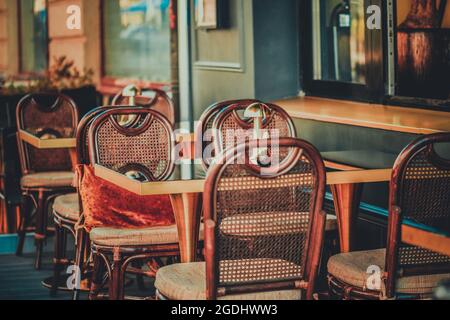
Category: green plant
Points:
column 62, row 75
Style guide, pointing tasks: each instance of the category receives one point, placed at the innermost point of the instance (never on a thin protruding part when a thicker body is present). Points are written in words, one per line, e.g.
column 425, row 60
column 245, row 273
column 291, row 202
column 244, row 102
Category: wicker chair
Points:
column 230, row 126
column 419, row 196
column 203, row 131
column 152, row 98
column 46, row 173
column 67, row 208
column 145, row 149
column 264, row 229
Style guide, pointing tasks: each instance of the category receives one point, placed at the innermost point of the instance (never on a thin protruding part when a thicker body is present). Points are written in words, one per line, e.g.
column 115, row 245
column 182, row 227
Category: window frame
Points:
column 381, row 86
column 110, row 85
column 372, row 91
column 22, row 72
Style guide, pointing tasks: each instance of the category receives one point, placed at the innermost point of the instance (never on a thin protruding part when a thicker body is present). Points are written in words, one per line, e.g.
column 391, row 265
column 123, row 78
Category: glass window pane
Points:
column 137, row 39
column 34, row 44
column 339, row 41
column 423, row 40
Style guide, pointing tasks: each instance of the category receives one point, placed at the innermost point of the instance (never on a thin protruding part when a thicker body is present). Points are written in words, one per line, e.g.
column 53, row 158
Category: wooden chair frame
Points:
column 152, row 103
column 63, row 225
column 316, row 231
column 115, row 259
column 206, row 123
column 395, row 222
column 232, row 112
column 41, row 196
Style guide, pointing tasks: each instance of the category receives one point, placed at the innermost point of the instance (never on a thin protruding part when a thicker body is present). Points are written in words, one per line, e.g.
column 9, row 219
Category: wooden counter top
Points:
column 400, row 119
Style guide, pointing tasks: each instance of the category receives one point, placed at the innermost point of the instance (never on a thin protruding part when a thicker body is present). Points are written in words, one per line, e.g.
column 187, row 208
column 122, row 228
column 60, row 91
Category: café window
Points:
column 33, row 36
column 137, row 40
column 423, row 51
column 339, row 41
column 338, row 50
column 406, row 62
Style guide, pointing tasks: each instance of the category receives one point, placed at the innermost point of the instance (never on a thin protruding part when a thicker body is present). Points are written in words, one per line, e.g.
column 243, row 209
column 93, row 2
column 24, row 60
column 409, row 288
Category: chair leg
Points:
column 25, row 217
column 97, row 277
column 79, row 258
column 41, row 229
column 116, row 281
column 58, row 256
column 11, row 216
column 139, row 277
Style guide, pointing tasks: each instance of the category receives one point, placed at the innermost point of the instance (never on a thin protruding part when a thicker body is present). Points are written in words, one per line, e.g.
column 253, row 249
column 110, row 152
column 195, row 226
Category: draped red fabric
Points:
column 106, row 205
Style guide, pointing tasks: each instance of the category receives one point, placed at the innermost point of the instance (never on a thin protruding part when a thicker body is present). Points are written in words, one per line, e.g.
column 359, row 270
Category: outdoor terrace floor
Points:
column 20, row 281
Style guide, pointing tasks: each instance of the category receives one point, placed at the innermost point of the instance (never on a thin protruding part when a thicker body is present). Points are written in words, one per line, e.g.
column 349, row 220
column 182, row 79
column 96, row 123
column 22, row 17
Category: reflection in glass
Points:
column 34, row 37
column 423, row 49
column 137, row 39
column 339, row 40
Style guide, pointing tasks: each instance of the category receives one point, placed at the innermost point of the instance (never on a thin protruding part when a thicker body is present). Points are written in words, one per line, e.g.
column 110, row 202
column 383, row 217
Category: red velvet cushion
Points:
column 106, row 205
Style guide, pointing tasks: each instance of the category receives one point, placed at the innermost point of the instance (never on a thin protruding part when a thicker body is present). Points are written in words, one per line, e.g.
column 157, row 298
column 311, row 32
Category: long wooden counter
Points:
column 400, row 119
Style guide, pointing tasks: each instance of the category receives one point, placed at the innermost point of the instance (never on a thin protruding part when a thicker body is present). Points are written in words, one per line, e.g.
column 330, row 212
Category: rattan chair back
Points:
column 264, row 226
column 143, row 151
column 47, row 116
column 151, row 98
column 419, row 197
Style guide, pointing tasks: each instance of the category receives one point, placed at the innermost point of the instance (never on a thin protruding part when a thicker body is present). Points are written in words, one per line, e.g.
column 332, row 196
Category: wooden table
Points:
column 59, row 143
column 186, row 198
column 376, row 116
column 47, row 143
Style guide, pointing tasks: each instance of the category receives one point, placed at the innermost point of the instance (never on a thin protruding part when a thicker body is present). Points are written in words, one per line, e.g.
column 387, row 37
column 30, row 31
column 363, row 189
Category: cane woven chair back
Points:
column 151, row 98
column 231, row 127
column 83, row 133
column 268, row 221
column 204, row 129
column 47, row 116
column 420, row 189
column 143, row 151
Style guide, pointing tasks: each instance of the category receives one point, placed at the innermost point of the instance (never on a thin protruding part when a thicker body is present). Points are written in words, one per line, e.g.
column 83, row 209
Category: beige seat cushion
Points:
column 136, row 237
column 352, row 268
column 188, row 282
column 270, row 223
column 67, row 206
column 48, row 179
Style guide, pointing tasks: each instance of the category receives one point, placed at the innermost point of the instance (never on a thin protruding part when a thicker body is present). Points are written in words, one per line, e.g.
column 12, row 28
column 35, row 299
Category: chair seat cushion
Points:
column 106, row 205
column 270, row 223
column 134, row 237
column 67, row 206
column 137, row 237
column 353, row 269
column 48, row 179
column 188, row 282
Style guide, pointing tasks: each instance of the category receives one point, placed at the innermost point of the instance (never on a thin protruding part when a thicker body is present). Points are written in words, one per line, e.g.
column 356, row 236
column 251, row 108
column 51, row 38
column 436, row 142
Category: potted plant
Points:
column 62, row 76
